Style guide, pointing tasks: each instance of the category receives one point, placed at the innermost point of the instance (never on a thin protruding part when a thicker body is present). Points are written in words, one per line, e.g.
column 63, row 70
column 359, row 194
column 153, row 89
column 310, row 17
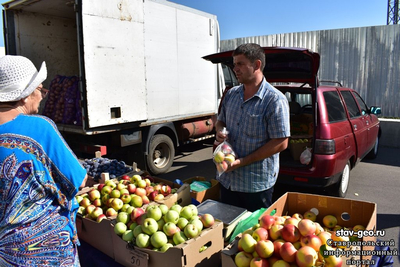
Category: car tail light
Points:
column 325, row 147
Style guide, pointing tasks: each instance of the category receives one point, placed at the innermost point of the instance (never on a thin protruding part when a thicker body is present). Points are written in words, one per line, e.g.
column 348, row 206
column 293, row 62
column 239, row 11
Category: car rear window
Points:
column 351, row 104
column 334, row 106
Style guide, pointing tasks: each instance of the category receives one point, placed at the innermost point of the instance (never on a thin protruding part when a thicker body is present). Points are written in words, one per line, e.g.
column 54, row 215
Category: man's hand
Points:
column 234, row 165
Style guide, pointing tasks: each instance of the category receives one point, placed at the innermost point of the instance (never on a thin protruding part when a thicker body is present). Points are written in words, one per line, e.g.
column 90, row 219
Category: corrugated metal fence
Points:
column 366, row 59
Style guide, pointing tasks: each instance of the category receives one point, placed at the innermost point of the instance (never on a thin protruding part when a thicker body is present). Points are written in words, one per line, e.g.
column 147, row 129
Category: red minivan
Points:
column 332, row 128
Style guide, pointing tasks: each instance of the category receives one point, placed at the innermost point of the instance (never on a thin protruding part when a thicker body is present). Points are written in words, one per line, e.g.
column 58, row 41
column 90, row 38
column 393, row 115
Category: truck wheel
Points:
column 161, row 154
column 342, row 186
column 374, row 152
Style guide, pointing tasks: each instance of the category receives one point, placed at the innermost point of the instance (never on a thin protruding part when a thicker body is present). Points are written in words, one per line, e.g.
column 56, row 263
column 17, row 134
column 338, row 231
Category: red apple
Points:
column 288, row 252
column 149, row 189
column 243, row 259
column 85, row 202
column 131, row 188
column 311, row 241
column 275, row 232
column 125, row 177
column 279, row 219
column 277, row 245
column 94, row 194
column 259, row 262
column 140, row 191
column 307, row 227
column 290, row 233
column 100, row 186
column 165, row 190
column 152, row 195
column 260, row 234
column 306, row 257
column 100, row 218
column 291, row 220
column 146, row 200
column 266, row 221
column 207, row 220
column 159, row 197
column 136, row 212
column 110, row 212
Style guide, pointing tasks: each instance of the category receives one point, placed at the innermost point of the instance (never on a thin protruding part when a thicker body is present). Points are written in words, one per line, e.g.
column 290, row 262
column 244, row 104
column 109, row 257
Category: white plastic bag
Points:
column 305, row 156
column 223, row 156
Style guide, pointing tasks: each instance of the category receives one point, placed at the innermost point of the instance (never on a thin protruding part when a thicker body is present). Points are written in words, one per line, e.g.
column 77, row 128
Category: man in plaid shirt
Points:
column 256, row 116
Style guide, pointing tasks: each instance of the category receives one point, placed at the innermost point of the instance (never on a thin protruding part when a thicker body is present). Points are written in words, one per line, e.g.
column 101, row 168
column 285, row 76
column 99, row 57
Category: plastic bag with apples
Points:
column 305, row 156
column 223, row 156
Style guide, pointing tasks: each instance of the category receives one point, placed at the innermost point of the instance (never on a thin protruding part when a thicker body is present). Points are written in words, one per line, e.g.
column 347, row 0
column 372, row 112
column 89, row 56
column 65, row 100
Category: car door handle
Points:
column 355, row 126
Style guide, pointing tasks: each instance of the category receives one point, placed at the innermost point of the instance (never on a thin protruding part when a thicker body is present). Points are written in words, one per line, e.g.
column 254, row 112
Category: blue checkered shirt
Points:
column 251, row 124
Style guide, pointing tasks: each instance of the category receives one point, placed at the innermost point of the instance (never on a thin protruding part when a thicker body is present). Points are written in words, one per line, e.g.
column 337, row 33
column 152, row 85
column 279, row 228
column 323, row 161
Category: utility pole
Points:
column 393, row 13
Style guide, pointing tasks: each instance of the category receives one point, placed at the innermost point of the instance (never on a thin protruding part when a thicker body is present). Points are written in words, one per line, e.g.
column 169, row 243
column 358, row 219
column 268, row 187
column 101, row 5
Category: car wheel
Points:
column 374, row 152
column 161, row 154
column 341, row 187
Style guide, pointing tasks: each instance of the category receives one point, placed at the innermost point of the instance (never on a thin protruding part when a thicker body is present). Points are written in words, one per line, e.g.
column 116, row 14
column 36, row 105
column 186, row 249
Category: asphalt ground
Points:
column 375, row 181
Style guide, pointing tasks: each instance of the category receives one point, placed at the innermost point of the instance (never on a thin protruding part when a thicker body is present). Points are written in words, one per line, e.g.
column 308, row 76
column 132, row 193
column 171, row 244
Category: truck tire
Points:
column 374, row 152
column 340, row 189
column 161, row 154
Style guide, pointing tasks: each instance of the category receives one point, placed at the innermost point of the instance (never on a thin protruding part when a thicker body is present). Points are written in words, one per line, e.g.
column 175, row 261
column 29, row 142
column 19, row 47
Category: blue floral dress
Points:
column 39, row 177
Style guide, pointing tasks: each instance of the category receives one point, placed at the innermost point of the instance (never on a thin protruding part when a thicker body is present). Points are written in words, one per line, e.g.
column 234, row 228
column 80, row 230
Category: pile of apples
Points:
column 112, row 197
column 285, row 241
column 158, row 227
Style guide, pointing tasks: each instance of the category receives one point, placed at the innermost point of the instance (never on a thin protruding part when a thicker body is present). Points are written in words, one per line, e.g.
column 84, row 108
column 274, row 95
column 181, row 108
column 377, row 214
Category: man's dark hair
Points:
column 252, row 52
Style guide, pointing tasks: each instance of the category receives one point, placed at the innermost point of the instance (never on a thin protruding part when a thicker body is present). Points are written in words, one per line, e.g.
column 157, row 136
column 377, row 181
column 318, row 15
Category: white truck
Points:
column 143, row 86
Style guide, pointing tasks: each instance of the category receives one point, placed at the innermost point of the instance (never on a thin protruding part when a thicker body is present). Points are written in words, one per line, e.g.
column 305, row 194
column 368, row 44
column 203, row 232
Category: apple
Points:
column 291, row 220
column 141, row 184
column 311, row 241
column 125, row 207
column 96, row 213
column 120, row 186
column 170, row 228
column 280, row 263
column 123, row 217
column 128, row 236
column 149, row 189
column 131, row 188
column 137, row 230
column 115, row 193
column 94, row 194
column 159, row 197
column 140, row 191
column 135, row 178
column 97, row 202
column 290, row 233
column 111, row 184
column 177, row 208
column 116, row 204
column 78, row 198
column 110, row 212
column 120, row 228
column 197, row 222
column 318, row 228
column 324, row 236
column 179, row 237
column 306, row 227
column 105, row 198
column 100, row 186
column 297, row 216
column 106, row 190
column 306, row 257
column 229, row 158
column 142, row 240
column 136, row 201
column 339, row 238
column 358, row 227
column 288, row 252
column 126, row 198
column 208, row 220
column 186, row 212
column 81, row 210
column 90, row 208
column 182, row 222
column 166, row 247
column 100, row 218
column 136, row 212
column 264, row 248
column 279, row 219
column 266, row 221
column 333, row 261
column 164, row 208
column 329, row 221
column 243, row 259
column 158, row 239
column 226, row 149
column 219, row 157
column 277, row 245
column 171, row 216
column 154, row 212
column 221, row 166
column 310, row 215
column 145, row 200
column 149, row 226
column 85, row 202
column 260, row 234
column 259, row 262
column 275, row 232
column 141, row 218
column 191, row 230
column 152, row 195
column 248, row 243
column 165, row 190
column 125, row 177
column 195, row 211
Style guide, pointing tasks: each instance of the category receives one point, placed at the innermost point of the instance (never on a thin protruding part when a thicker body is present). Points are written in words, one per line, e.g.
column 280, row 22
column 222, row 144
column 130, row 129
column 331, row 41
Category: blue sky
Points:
column 263, row 17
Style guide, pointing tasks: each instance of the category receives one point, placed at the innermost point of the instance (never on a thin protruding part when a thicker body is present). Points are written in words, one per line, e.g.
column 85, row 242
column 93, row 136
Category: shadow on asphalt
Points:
column 386, row 156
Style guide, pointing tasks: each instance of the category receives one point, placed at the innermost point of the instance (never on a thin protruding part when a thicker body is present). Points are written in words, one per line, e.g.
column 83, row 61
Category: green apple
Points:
column 164, row 208
column 154, row 212
column 137, row 230
column 131, row 225
column 116, row 204
column 182, row 222
column 161, row 224
column 120, row 228
column 248, row 243
column 149, row 226
column 128, row 236
column 197, row 222
column 126, row 198
column 176, row 207
column 158, row 239
column 106, row 190
column 111, row 184
column 191, row 231
column 143, row 240
column 136, row 201
column 166, row 247
column 125, row 207
column 186, row 212
column 194, row 209
column 123, row 217
column 179, row 237
column 171, row 216
column 219, row 157
column 115, row 193
column 170, row 228
column 78, row 199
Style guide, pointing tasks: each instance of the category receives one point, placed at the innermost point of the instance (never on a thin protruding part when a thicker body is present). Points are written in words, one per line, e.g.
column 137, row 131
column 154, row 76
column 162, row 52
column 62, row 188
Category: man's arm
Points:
column 270, row 148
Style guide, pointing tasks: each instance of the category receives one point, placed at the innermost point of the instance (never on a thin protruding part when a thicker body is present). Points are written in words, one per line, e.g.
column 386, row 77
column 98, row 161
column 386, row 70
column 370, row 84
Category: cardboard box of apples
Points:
column 305, row 230
column 101, row 204
column 159, row 235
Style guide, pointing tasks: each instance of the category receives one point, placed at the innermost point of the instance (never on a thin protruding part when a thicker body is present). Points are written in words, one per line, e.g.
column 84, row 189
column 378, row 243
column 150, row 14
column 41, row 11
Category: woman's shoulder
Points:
column 38, row 121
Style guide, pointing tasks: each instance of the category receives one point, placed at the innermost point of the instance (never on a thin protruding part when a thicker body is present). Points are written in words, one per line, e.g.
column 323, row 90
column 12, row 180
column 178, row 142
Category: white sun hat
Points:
column 19, row 77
